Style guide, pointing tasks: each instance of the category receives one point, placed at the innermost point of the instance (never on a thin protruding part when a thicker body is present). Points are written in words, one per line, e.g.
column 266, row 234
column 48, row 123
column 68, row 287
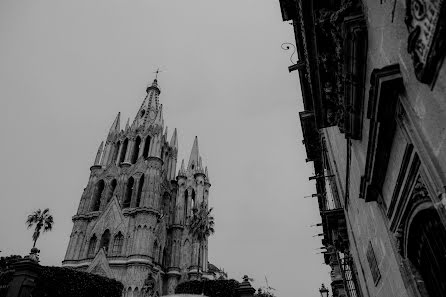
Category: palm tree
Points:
column 201, row 227
column 42, row 219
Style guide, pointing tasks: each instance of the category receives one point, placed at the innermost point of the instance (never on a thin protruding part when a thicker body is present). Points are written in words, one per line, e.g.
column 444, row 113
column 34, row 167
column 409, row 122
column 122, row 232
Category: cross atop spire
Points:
column 154, row 83
column 157, row 71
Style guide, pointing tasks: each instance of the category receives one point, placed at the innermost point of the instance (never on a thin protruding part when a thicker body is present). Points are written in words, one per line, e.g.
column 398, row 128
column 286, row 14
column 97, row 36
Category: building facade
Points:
column 132, row 223
column 374, row 126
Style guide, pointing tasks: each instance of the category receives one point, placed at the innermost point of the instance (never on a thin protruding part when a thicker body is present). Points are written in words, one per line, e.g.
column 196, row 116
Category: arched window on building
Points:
column 139, row 192
column 164, row 259
column 426, row 246
column 99, row 188
column 166, row 203
column 113, row 185
column 92, row 247
column 117, row 244
column 145, row 152
column 155, row 251
column 192, row 202
column 128, row 193
column 115, row 152
column 123, row 151
column 105, row 241
column 185, row 205
column 136, row 150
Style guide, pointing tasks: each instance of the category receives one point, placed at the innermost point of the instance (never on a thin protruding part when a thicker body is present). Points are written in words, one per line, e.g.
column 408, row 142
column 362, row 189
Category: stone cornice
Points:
column 88, row 216
column 113, row 261
column 176, row 226
column 137, row 210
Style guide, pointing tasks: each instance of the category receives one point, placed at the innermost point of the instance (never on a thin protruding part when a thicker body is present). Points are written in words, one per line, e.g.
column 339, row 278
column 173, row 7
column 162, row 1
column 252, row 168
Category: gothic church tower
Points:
column 132, row 220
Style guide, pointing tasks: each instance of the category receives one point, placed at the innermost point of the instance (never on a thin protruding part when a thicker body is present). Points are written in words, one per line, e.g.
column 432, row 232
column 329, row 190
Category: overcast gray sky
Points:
column 67, row 68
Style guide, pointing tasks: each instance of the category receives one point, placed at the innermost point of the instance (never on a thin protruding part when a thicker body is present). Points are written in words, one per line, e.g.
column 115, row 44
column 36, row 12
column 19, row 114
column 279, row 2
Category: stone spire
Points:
column 99, row 154
column 194, row 155
column 174, row 139
column 148, row 111
column 127, row 125
column 207, row 175
column 165, row 133
column 182, row 171
column 115, row 127
column 159, row 120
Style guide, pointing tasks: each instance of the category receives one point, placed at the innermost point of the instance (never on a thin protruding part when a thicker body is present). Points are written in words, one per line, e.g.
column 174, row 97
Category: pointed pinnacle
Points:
column 182, row 171
column 174, row 140
column 159, row 117
column 98, row 154
column 194, row 154
column 207, row 180
column 127, row 126
column 115, row 126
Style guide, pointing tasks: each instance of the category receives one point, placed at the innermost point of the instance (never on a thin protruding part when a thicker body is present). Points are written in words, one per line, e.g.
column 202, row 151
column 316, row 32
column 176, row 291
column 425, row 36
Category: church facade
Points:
column 132, row 223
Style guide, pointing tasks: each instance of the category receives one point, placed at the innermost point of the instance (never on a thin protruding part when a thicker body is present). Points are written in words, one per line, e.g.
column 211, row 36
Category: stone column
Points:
column 245, row 289
column 23, row 282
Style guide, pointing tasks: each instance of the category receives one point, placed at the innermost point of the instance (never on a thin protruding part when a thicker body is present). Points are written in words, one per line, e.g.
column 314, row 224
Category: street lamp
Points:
column 324, row 291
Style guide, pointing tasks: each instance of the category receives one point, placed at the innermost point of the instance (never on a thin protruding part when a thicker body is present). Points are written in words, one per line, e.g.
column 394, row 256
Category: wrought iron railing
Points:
column 349, row 275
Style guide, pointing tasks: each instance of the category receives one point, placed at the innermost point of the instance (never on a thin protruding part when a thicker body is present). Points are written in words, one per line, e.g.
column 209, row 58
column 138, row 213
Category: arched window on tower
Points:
column 113, row 185
column 92, row 246
column 105, row 241
column 145, row 152
column 115, row 152
column 155, row 251
column 136, row 150
column 164, row 259
column 166, row 203
column 192, row 202
column 117, row 244
column 128, row 193
column 96, row 202
column 185, row 205
column 139, row 192
column 123, row 151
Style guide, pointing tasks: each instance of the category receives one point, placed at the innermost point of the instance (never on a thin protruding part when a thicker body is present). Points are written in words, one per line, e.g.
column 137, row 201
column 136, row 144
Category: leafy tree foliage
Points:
column 202, row 226
column 41, row 220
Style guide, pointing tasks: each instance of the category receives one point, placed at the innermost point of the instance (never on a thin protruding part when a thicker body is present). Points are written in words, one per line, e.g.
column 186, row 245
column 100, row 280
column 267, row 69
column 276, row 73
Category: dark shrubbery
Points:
column 6, row 262
column 58, row 282
column 211, row 288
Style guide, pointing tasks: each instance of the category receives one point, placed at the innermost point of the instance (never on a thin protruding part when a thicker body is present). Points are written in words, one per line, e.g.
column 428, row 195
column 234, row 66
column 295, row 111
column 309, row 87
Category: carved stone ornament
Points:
column 148, row 288
column 426, row 22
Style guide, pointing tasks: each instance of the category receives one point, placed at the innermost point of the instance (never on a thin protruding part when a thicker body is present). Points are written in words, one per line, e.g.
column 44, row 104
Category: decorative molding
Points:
column 426, row 23
column 385, row 86
column 354, row 33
